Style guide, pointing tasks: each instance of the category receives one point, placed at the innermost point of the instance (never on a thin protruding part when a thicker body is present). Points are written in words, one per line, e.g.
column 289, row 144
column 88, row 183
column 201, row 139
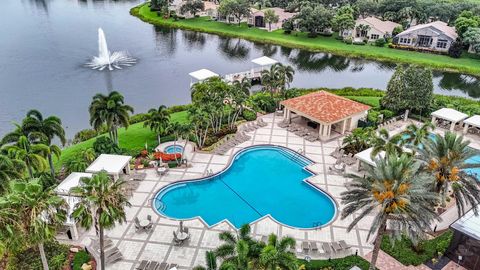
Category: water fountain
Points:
column 105, row 59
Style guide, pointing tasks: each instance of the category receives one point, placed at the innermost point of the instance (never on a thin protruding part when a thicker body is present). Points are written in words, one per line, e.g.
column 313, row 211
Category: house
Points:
column 230, row 18
column 371, row 29
column 257, row 18
column 436, row 36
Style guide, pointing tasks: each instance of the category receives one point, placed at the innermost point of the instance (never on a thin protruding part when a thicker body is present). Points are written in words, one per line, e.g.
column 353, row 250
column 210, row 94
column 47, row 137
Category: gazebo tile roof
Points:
column 324, row 106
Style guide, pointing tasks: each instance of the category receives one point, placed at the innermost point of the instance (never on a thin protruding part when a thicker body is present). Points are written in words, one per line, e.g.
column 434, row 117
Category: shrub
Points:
column 105, row 145
column 30, row 258
column 397, row 30
column 361, row 43
column 456, row 49
column 249, row 115
column 348, row 40
column 84, row 134
column 79, row 259
column 179, row 108
column 380, row 42
column 287, row 26
column 345, row 263
column 262, row 101
column 137, row 118
column 387, row 114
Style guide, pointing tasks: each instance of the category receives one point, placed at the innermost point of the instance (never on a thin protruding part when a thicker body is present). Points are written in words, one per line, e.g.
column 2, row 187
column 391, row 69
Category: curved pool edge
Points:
column 227, row 166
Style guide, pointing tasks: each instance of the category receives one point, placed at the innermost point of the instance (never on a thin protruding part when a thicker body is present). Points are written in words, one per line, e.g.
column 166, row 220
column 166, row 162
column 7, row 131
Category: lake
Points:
column 46, row 43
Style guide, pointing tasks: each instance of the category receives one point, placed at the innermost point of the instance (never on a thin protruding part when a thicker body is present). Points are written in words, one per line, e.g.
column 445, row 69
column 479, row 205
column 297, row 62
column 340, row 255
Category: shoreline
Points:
column 469, row 65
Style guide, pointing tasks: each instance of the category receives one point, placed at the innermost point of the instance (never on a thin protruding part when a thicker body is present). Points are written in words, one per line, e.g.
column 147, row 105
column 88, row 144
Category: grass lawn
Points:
column 134, row 138
column 467, row 63
column 371, row 101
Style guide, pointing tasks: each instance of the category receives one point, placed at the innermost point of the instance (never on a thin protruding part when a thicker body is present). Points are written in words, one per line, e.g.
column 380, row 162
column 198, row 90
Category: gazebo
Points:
column 201, row 75
column 264, row 61
column 114, row 165
column 473, row 121
column 332, row 113
column 465, row 245
column 366, row 157
column 450, row 115
column 63, row 190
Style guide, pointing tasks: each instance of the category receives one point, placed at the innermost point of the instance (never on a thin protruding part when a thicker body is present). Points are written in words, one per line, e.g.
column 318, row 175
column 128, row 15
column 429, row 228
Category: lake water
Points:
column 44, row 45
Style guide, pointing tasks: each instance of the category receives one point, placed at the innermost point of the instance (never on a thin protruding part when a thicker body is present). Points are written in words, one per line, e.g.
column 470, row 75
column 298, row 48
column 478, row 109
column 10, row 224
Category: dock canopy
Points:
column 72, row 180
column 465, row 244
column 203, row 74
column 264, row 61
column 448, row 114
column 113, row 164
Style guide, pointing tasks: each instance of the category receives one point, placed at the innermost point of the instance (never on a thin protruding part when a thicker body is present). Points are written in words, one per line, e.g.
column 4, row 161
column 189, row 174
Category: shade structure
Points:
column 365, row 156
column 72, row 180
column 450, row 115
column 112, row 164
column 264, row 61
column 469, row 224
column 203, row 74
column 473, row 121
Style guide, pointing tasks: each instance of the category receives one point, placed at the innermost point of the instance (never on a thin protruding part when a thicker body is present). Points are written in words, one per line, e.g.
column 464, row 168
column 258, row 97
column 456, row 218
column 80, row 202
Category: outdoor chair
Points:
column 111, row 252
column 153, row 265
column 136, row 221
column 114, row 258
column 336, row 247
column 305, row 247
column 313, row 246
column 143, row 265
column 162, row 266
column 176, row 241
column 173, row 265
column 344, row 245
column 185, row 230
column 326, row 247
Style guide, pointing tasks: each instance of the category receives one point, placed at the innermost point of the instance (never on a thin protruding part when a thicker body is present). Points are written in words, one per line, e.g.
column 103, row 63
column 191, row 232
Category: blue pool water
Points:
column 474, row 171
column 173, row 149
column 260, row 181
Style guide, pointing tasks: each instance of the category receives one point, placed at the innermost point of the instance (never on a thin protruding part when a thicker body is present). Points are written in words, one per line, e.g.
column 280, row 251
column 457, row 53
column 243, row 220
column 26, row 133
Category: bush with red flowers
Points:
column 166, row 157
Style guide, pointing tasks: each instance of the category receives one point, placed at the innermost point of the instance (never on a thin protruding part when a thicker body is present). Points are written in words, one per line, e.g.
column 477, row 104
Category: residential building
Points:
column 371, row 29
column 435, row 36
column 257, row 18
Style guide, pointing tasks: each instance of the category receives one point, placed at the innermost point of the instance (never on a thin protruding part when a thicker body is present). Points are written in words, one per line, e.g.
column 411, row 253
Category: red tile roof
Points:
column 324, row 106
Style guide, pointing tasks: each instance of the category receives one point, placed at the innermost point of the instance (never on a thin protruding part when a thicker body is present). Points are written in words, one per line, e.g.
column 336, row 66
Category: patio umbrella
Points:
column 181, row 226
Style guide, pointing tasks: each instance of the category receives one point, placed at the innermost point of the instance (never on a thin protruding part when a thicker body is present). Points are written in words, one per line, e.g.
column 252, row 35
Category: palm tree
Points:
column 185, row 131
column 40, row 213
column 285, row 75
column 158, row 120
column 102, row 204
column 211, row 260
column 270, row 80
column 33, row 155
column 445, row 159
column 243, row 85
column 414, row 135
column 10, row 242
column 10, row 169
column 110, row 110
column 276, row 255
column 51, row 127
column 385, row 142
column 239, row 252
column 396, row 192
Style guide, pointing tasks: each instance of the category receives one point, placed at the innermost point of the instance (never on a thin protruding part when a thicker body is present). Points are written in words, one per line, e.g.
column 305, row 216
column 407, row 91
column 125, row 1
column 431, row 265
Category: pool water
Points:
column 173, row 149
column 260, row 181
column 474, row 171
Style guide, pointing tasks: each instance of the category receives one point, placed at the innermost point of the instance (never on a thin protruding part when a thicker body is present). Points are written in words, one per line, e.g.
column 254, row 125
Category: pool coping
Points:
column 227, row 166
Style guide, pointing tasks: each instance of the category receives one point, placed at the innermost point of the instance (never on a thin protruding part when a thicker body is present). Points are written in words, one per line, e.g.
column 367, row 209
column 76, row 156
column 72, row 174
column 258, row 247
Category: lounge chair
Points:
column 336, row 247
column 326, row 247
column 313, row 246
column 143, row 265
column 312, row 138
column 153, row 265
column 305, row 247
column 173, row 265
column 111, row 252
column 344, row 244
column 162, row 266
column 115, row 257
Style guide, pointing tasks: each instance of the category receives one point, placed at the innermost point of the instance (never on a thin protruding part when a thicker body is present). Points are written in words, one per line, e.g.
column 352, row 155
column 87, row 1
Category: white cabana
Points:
column 114, row 165
column 201, row 75
column 473, row 121
column 366, row 157
column 264, row 61
column 448, row 114
column 63, row 190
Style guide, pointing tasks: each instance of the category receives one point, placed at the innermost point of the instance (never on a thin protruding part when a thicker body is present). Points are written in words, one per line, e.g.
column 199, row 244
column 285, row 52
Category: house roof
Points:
column 469, row 224
column 473, row 121
column 324, row 107
column 72, row 180
column 439, row 25
column 264, row 61
column 112, row 164
column 282, row 14
column 203, row 74
column 382, row 26
column 449, row 114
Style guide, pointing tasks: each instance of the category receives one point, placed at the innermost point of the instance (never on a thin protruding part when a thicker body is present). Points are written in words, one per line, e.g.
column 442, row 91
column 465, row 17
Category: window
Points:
column 425, row 41
column 442, row 44
column 374, row 36
column 408, row 41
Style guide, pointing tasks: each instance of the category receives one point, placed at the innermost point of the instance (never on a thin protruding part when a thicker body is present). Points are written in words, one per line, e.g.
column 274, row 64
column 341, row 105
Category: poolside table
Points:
column 182, row 236
column 144, row 223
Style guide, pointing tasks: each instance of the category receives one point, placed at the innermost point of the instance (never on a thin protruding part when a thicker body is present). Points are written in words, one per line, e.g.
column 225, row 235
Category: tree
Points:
column 314, row 19
column 472, row 38
column 397, row 30
column 456, row 49
column 40, row 213
column 243, row 85
column 362, row 29
column 395, row 191
column 270, row 17
column 409, row 88
column 391, row 145
column 192, row 6
column 158, row 120
column 33, row 155
column 343, row 19
column 102, row 204
column 414, row 135
column 465, row 21
column 269, row 79
column 10, row 169
column 288, row 26
column 276, row 254
column 110, row 110
column 366, row 7
column 200, row 124
column 360, row 139
column 445, row 159
column 211, row 260
column 236, row 8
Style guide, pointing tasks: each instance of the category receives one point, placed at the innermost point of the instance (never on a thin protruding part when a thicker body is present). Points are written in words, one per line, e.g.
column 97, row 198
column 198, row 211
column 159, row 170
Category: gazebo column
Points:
column 465, row 128
column 452, row 126
column 344, row 126
column 74, row 231
column 434, row 118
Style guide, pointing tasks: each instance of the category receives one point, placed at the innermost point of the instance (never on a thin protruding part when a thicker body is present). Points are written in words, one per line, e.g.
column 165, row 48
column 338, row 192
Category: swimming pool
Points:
column 260, row 181
column 173, row 149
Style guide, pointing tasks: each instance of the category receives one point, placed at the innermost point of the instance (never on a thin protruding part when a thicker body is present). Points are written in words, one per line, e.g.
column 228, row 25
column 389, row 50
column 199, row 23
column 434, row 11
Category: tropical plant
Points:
column 360, row 139
column 472, row 38
column 158, row 120
column 200, row 124
column 110, row 110
column 33, row 155
column 284, row 76
column 243, row 85
column 10, row 169
column 81, row 163
column 270, row 80
column 395, row 191
column 276, row 254
column 344, row 19
column 414, row 135
column 102, row 204
column 105, row 145
column 270, row 17
column 40, row 212
column 192, row 6
column 236, row 8
column 387, row 143
column 211, row 260
column 314, row 18
column 445, row 159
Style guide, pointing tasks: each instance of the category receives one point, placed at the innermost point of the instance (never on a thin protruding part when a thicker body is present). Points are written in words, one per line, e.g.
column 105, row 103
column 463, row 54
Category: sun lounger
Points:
column 115, row 257
column 173, row 265
column 153, row 265
column 343, row 245
column 326, row 247
column 305, row 247
column 162, row 266
column 143, row 265
column 313, row 246
column 312, row 138
column 336, row 246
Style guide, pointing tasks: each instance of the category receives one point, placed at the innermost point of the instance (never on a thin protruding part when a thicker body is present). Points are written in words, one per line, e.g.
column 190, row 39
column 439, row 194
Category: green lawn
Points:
column 371, row 101
column 134, row 138
column 466, row 64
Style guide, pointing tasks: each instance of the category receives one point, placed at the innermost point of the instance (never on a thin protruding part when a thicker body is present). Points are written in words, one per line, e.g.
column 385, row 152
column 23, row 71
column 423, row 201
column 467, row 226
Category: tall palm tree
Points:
column 110, row 110
column 445, row 159
column 102, row 204
column 270, row 80
column 240, row 251
column 158, row 120
column 10, row 169
column 243, row 85
column 285, row 75
column 51, row 127
column 385, row 142
column 33, row 155
column 414, row 135
column 10, row 241
column 40, row 213
column 276, row 254
column 211, row 260
column 396, row 192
